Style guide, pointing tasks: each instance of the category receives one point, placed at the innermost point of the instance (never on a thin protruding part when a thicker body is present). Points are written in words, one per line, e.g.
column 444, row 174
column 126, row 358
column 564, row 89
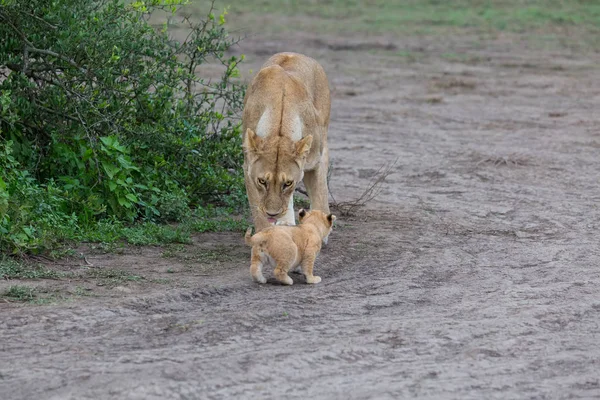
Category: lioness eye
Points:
column 288, row 184
column 262, row 181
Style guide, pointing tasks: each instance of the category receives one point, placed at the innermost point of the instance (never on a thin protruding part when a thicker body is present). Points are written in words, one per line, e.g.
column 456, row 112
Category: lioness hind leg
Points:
column 316, row 185
column 281, row 273
column 256, row 266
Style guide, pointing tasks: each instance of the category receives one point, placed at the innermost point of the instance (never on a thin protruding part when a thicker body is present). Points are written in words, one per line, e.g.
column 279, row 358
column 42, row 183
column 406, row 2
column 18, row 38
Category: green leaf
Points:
column 123, row 202
column 110, row 170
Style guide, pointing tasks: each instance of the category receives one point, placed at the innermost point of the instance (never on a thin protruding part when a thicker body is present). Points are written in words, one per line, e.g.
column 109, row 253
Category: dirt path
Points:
column 474, row 275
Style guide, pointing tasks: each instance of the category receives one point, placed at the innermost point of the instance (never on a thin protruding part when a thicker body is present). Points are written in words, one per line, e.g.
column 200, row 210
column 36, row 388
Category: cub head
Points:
column 318, row 218
column 275, row 165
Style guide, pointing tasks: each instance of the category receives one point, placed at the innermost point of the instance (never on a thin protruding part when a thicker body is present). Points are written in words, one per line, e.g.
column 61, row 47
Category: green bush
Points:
column 102, row 116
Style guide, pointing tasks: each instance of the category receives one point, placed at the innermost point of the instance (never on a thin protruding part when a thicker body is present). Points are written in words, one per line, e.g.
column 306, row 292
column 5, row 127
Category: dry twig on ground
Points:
column 373, row 189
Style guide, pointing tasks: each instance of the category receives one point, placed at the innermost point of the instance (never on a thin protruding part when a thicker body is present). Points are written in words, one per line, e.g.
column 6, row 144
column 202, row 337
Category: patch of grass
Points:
column 461, row 58
column 161, row 281
column 515, row 160
column 301, row 202
column 64, row 252
column 227, row 224
column 20, row 293
column 172, row 250
column 110, row 232
column 83, row 291
column 14, row 269
column 449, row 83
column 219, row 220
column 434, row 100
column 220, row 253
column 112, row 276
column 415, row 16
column 147, row 233
column 32, row 295
column 152, row 234
column 409, row 56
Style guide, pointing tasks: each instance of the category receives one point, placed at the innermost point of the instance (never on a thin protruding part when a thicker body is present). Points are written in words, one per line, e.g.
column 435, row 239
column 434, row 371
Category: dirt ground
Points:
column 473, row 275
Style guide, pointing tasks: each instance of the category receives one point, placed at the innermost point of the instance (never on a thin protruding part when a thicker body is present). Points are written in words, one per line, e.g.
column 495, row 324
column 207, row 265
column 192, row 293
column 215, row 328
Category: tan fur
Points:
column 286, row 247
column 292, row 90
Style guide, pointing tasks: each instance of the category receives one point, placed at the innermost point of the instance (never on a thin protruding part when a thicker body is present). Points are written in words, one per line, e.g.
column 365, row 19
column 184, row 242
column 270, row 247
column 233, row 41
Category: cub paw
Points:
column 287, row 281
column 260, row 279
column 313, row 279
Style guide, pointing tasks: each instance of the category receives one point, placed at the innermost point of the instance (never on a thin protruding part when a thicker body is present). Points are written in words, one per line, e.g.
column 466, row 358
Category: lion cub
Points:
column 287, row 247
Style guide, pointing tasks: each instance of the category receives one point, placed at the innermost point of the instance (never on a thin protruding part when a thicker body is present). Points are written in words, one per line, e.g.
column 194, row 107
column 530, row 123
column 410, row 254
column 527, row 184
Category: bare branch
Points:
column 48, row 24
column 53, row 54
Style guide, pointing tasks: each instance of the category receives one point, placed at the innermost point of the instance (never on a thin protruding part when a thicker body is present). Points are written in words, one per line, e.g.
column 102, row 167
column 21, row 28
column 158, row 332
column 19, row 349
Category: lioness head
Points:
column 275, row 165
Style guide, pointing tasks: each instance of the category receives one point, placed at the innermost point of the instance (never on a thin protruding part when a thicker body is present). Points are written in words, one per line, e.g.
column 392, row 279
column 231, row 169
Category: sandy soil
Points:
column 474, row 274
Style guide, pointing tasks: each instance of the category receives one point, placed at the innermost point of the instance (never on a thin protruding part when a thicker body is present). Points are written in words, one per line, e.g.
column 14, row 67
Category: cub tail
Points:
column 248, row 237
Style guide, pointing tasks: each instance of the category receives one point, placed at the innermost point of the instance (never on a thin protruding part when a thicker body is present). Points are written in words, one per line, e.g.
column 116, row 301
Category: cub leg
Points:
column 307, row 268
column 281, row 273
column 256, row 265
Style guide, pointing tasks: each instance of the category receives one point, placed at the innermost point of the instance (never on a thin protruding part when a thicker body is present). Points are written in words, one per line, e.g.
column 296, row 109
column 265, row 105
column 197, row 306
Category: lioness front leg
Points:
column 316, row 184
column 308, row 263
column 258, row 217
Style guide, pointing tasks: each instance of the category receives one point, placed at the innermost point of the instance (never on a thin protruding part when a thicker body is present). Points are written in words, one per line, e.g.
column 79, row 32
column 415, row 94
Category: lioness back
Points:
column 289, row 97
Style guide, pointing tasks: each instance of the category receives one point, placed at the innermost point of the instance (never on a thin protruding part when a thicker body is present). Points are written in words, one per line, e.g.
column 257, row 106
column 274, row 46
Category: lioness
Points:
column 286, row 247
column 285, row 121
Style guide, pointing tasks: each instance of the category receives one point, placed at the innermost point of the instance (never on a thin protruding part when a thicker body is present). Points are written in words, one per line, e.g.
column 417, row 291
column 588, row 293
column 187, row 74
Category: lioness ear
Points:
column 331, row 218
column 303, row 146
column 251, row 141
column 301, row 213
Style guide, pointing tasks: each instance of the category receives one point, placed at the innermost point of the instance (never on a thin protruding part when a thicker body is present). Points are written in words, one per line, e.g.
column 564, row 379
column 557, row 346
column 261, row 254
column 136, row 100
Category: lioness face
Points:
column 275, row 165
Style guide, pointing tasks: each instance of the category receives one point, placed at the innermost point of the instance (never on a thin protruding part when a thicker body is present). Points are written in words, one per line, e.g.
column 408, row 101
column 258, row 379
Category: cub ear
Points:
column 331, row 218
column 303, row 146
column 301, row 213
column 252, row 141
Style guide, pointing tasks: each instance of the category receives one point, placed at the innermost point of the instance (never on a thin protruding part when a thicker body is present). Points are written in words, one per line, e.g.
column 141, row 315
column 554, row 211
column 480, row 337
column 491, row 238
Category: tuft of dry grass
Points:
column 452, row 83
column 511, row 160
column 373, row 189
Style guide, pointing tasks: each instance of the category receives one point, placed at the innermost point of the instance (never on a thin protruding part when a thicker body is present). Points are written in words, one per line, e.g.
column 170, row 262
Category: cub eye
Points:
column 262, row 181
